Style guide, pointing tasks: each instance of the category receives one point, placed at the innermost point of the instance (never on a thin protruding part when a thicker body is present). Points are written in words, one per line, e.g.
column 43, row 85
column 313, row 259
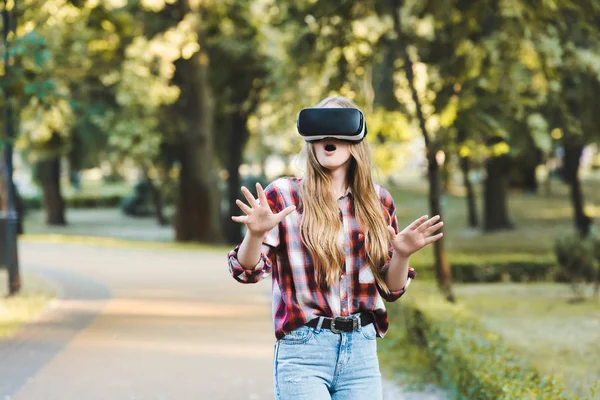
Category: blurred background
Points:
column 135, row 122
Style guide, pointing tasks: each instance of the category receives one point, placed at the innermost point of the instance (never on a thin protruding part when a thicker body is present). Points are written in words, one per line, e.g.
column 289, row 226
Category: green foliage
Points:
column 79, row 201
column 579, row 259
column 144, row 87
column 472, row 362
column 22, row 78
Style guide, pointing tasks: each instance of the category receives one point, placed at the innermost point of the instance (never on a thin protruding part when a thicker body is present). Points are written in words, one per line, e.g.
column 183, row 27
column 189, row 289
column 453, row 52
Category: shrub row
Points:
column 471, row 362
column 32, row 203
column 467, row 268
column 579, row 260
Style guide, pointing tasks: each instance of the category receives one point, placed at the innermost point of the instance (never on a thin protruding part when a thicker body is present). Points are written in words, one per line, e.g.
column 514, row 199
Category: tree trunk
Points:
column 237, row 137
column 198, row 212
column 548, row 182
column 465, row 167
column 9, row 236
column 446, row 174
column 443, row 274
column 524, row 169
column 530, row 183
column 49, row 171
column 383, row 81
column 442, row 267
column 572, row 160
column 495, row 195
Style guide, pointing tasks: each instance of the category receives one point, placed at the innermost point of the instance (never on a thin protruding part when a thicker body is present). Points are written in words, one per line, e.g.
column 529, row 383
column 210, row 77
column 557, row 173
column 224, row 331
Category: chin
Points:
column 331, row 166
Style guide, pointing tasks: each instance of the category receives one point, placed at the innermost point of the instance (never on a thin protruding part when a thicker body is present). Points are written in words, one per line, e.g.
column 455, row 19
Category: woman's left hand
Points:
column 415, row 236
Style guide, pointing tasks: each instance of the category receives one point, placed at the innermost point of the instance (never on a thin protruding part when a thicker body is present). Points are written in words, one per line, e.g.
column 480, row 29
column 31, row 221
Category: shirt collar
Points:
column 347, row 193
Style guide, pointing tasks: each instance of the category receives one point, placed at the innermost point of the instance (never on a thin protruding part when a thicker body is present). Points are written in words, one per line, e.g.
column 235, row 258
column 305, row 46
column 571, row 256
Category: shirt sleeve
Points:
column 268, row 255
column 262, row 270
column 390, row 210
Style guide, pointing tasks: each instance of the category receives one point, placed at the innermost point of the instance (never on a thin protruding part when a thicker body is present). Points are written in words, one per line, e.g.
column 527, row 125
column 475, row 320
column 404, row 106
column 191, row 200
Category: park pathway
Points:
column 139, row 324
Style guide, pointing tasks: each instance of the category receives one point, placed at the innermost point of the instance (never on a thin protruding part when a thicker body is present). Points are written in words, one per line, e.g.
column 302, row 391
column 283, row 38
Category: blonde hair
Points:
column 320, row 224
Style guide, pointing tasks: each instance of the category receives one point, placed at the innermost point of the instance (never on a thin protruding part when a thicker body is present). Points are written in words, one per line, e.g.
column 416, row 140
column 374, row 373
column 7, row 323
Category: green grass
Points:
column 538, row 219
column 20, row 309
column 404, row 361
column 540, row 321
column 122, row 243
column 99, row 188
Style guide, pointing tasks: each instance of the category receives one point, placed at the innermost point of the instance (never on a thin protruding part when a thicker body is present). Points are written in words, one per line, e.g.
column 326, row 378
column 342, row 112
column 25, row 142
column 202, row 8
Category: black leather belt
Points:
column 343, row 324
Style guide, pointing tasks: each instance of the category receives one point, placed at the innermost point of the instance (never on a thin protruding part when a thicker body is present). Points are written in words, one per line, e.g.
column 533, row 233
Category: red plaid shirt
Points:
column 297, row 298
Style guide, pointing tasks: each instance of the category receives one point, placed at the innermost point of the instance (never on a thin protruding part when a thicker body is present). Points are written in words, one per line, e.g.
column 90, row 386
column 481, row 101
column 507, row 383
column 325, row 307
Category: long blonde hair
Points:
column 321, row 225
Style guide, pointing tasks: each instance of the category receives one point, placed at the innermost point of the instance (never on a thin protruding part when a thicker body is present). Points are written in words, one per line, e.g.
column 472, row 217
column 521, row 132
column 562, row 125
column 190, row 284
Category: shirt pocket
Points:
column 365, row 275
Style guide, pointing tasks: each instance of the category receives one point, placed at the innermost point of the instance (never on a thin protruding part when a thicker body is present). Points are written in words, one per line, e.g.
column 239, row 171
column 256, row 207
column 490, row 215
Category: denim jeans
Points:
column 317, row 364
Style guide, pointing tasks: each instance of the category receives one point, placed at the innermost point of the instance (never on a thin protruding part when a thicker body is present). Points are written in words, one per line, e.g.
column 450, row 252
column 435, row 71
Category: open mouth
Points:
column 330, row 147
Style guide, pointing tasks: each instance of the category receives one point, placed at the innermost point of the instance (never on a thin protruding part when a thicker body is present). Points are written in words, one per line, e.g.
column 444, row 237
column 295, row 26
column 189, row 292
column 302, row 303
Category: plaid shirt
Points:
column 297, row 298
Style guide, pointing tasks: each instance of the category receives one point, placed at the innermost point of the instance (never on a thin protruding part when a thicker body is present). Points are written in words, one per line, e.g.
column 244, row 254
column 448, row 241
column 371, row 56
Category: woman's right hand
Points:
column 259, row 218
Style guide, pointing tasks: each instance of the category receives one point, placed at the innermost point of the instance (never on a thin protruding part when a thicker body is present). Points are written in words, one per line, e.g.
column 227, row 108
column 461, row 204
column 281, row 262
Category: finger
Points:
column 241, row 218
column 432, row 239
column 284, row 213
column 249, row 197
column 433, row 229
column 261, row 194
column 243, row 206
column 415, row 224
column 428, row 223
column 392, row 231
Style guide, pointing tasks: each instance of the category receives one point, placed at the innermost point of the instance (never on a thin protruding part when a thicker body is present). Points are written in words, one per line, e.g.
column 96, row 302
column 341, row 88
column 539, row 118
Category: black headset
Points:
column 339, row 123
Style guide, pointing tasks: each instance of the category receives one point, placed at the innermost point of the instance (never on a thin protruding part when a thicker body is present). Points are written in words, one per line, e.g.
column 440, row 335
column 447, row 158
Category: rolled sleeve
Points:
column 396, row 294
column 262, row 270
column 390, row 209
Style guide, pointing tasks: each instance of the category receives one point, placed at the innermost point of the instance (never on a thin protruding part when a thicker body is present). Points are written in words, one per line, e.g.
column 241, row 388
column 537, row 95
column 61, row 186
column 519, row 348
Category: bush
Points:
column 471, row 362
column 489, row 268
column 78, row 201
column 578, row 260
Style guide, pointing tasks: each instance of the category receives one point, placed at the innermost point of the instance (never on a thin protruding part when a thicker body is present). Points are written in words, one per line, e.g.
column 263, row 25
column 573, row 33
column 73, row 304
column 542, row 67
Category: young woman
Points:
column 331, row 242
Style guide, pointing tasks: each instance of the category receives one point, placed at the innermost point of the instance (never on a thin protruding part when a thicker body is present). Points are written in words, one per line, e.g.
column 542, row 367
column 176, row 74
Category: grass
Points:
column 20, row 309
column 403, row 361
column 538, row 320
column 121, row 243
column 541, row 322
column 538, row 219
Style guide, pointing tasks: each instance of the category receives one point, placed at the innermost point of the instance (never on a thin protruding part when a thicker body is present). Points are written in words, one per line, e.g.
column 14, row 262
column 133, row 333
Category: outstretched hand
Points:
column 259, row 218
column 415, row 236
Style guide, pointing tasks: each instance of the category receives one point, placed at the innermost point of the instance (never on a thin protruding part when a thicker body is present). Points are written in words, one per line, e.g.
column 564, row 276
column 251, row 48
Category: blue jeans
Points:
column 317, row 364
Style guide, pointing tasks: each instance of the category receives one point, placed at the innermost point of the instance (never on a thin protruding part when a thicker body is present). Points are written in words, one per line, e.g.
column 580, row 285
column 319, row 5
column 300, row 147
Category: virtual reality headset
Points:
column 339, row 123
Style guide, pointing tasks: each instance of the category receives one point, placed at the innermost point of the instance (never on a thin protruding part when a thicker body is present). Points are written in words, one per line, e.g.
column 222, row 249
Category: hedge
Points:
column 496, row 267
column 471, row 362
column 78, row 201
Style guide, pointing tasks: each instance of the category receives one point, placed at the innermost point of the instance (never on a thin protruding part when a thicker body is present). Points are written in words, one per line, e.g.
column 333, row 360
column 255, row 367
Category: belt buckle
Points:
column 340, row 319
column 333, row 328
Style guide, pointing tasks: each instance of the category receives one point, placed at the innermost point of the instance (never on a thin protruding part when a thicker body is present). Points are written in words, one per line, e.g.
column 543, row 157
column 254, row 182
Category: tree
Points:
column 566, row 54
column 239, row 68
column 442, row 266
column 23, row 56
column 165, row 107
column 197, row 216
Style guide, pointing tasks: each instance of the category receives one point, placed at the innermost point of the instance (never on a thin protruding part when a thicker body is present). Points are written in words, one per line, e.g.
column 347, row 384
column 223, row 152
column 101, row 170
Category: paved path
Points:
column 142, row 325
